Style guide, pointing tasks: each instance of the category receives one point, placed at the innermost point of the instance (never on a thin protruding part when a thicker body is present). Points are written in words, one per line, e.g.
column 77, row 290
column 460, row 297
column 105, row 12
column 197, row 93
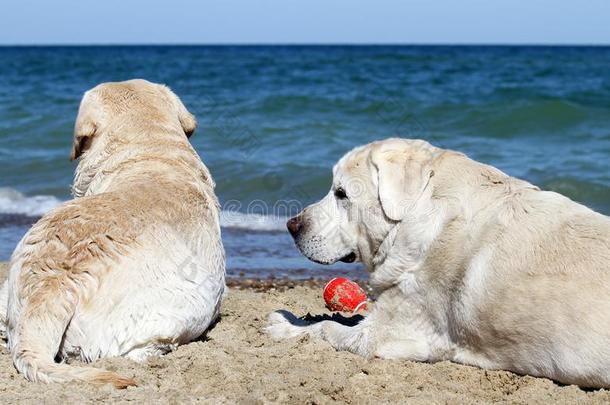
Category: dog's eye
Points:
column 340, row 194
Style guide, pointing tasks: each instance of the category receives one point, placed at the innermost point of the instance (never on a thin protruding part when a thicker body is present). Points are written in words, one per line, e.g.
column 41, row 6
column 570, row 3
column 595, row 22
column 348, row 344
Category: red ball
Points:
column 341, row 294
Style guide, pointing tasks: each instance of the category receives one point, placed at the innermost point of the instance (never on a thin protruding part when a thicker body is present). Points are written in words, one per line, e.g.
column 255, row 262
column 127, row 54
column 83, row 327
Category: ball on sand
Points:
column 341, row 294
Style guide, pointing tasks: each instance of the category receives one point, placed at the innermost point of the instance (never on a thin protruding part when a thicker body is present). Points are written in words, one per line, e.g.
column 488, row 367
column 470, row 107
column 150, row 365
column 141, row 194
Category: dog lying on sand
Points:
column 134, row 265
column 470, row 265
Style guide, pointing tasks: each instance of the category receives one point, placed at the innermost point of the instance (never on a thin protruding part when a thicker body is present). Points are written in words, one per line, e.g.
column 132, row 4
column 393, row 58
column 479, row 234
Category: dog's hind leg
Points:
column 37, row 332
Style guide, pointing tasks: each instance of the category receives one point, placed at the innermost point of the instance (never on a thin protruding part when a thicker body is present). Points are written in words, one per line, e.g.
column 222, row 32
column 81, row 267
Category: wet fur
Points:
column 134, row 265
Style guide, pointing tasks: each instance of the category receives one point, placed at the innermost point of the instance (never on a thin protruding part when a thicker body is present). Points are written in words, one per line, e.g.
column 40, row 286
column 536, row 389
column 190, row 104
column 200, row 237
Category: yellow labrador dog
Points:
column 470, row 265
column 134, row 265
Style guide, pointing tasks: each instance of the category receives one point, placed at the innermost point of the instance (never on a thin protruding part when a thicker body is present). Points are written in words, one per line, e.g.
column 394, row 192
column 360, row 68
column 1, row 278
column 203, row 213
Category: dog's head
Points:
column 116, row 108
column 374, row 187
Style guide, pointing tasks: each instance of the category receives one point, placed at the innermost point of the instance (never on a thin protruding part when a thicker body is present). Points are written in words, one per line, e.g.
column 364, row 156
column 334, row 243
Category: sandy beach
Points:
column 237, row 363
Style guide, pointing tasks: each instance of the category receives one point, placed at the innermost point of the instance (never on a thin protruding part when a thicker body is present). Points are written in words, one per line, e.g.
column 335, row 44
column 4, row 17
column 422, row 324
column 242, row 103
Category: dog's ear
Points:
column 402, row 175
column 87, row 123
column 187, row 120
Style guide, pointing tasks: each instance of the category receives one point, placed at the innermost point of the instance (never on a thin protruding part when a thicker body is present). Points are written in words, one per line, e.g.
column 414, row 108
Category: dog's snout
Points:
column 294, row 225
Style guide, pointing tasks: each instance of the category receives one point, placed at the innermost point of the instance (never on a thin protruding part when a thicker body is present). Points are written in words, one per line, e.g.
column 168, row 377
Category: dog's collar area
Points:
column 382, row 251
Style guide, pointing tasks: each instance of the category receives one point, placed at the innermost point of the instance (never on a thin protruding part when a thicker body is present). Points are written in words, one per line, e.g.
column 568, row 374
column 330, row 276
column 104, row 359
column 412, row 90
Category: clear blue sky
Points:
column 304, row 21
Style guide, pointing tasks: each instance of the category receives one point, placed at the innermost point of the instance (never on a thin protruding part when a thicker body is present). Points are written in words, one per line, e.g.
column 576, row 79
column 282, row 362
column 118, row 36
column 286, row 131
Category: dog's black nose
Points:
column 293, row 225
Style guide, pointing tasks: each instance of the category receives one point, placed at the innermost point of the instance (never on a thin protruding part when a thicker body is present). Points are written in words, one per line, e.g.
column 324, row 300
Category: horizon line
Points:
column 312, row 44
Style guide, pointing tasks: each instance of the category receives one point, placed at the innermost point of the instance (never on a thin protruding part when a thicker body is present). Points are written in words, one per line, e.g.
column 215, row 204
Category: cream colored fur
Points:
column 134, row 265
column 470, row 265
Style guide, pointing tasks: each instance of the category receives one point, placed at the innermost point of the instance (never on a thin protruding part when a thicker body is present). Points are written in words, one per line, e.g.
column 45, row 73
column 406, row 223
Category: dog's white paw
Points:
column 142, row 354
column 280, row 327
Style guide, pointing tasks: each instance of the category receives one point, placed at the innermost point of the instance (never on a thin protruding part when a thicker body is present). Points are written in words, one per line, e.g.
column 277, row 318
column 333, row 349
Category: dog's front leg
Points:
column 396, row 328
column 355, row 339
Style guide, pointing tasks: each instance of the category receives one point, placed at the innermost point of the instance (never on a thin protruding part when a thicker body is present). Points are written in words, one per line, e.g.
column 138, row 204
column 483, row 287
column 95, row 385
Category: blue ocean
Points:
column 274, row 119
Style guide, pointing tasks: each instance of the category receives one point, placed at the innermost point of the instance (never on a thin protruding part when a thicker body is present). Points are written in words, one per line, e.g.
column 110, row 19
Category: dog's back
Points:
column 541, row 278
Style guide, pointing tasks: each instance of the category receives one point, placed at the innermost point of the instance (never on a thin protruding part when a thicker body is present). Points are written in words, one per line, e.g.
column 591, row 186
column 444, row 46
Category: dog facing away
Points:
column 470, row 265
column 134, row 265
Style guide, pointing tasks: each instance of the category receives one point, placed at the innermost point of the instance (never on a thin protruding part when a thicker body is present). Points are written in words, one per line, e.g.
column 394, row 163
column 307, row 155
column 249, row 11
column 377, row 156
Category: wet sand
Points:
column 237, row 363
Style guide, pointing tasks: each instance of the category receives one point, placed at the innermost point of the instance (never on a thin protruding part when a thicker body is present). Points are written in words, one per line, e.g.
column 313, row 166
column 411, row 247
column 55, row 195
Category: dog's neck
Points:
column 385, row 246
column 403, row 250
column 103, row 169
column 89, row 166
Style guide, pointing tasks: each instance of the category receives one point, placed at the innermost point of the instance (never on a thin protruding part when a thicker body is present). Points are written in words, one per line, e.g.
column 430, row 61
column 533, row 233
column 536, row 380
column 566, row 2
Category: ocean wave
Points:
column 14, row 202
column 253, row 222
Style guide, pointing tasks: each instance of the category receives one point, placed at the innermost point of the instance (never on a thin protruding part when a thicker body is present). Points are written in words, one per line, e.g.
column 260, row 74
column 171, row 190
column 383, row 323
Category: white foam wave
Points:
column 254, row 222
column 14, row 202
